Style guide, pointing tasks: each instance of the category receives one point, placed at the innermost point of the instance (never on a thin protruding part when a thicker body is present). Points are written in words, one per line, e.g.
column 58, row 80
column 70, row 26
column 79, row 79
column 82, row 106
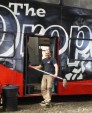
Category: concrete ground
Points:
column 72, row 104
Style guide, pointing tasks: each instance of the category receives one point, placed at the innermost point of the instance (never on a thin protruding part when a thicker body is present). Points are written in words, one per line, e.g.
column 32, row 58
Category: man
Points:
column 49, row 65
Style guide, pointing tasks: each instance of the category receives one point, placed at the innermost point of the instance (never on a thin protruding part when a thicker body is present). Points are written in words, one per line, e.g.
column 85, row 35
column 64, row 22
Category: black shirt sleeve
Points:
column 54, row 61
column 42, row 62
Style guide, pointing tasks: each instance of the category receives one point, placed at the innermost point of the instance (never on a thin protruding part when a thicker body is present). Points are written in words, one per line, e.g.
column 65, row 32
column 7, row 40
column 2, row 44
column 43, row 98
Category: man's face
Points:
column 47, row 54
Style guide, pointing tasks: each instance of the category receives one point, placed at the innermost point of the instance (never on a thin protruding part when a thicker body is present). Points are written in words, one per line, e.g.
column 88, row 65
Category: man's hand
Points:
column 31, row 66
column 55, row 75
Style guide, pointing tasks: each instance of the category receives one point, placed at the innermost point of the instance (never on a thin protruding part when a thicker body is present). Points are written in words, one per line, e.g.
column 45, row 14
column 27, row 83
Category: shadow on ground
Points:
column 71, row 98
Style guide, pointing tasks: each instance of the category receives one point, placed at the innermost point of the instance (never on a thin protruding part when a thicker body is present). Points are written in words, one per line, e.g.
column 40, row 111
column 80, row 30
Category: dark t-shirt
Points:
column 48, row 65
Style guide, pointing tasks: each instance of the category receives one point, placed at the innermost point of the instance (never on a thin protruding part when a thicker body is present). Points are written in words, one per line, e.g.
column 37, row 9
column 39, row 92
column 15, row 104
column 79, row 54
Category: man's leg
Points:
column 46, row 89
column 50, row 81
column 44, row 86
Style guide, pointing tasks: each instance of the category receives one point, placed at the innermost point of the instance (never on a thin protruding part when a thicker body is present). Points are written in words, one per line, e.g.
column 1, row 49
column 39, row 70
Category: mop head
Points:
column 64, row 82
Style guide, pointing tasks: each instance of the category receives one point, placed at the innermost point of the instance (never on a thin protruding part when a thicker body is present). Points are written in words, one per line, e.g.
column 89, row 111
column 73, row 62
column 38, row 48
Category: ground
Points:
column 75, row 105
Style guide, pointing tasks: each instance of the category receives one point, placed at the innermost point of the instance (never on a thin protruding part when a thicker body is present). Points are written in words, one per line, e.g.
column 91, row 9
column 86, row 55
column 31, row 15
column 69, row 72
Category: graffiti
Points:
column 39, row 12
column 17, row 38
column 82, row 46
column 78, row 41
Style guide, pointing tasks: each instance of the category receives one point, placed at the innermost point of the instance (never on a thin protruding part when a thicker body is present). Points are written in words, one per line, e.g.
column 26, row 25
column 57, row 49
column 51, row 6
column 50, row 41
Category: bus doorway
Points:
column 34, row 50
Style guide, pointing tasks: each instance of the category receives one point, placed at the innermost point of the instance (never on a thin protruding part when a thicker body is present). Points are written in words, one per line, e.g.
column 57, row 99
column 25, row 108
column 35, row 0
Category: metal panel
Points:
column 33, row 50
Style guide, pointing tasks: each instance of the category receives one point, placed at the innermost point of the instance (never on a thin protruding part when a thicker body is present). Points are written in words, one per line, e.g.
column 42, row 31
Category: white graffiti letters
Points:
column 16, row 5
column 82, row 36
column 17, row 37
column 40, row 12
column 52, row 30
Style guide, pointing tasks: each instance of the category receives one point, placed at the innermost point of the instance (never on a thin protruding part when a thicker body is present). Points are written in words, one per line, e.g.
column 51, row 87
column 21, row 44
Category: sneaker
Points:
column 47, row 104
column 43, row 103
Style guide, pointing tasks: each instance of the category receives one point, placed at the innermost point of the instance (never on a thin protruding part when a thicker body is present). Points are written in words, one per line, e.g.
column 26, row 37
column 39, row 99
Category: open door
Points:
column 35, row 47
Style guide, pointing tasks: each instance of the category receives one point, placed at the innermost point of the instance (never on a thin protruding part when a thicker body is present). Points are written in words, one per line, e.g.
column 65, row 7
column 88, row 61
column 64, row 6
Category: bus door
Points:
column 35, row 47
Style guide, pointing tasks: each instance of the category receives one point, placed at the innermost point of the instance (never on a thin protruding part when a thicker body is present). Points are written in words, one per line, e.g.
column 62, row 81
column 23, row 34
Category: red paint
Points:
column 11, row 77
column 75, row 88
column 8, row 76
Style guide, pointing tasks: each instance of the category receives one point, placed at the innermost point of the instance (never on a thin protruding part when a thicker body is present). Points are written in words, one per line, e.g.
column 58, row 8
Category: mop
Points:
column 63, row 79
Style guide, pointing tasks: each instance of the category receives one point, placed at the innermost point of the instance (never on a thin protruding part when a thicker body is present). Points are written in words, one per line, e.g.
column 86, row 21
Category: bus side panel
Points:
column 72, row 88
column 58, row 22
column 11, row 77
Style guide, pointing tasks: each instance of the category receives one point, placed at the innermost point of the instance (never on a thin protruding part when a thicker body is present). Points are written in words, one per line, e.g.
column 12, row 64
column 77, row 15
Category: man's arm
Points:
column 56, row 69
column 37, row 67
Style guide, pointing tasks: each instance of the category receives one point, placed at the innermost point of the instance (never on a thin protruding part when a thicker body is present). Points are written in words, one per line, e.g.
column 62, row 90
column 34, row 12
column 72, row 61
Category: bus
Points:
column 28, row 27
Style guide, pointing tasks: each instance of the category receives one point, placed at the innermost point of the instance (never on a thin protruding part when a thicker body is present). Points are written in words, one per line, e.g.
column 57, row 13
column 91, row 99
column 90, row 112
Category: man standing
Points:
column 49, row 65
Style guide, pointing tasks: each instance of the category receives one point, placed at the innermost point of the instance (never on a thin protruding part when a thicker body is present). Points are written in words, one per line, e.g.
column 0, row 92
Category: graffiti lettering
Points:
column 52, row 30
column 17, row 38
column 83, row 45
column 19, row 22
column 39, row 12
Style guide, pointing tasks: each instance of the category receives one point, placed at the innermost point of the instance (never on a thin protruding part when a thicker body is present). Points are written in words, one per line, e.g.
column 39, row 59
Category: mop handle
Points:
column 45, row 72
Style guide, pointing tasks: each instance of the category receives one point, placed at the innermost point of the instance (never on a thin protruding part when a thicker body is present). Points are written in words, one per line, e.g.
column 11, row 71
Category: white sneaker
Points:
column 45, row 104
